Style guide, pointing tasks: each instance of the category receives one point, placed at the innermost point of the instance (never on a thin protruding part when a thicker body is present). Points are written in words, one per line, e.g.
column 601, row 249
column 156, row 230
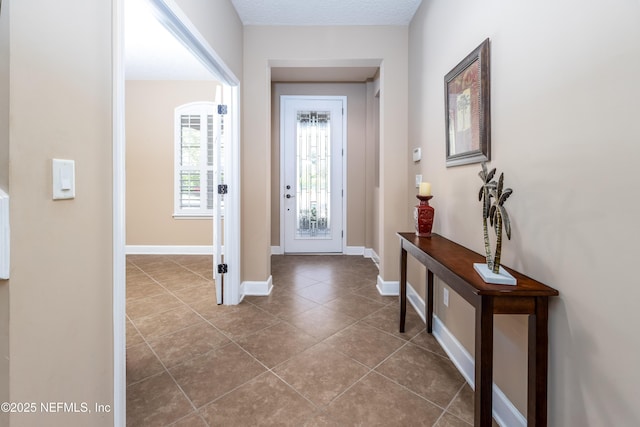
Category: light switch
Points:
column 64, row 179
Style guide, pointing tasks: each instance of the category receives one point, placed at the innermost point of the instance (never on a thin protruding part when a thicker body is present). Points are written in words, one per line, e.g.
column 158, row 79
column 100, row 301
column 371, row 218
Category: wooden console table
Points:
column 454, row 265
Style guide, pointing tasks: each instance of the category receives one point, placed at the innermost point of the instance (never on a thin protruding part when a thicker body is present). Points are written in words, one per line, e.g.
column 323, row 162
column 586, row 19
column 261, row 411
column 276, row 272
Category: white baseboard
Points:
column 349, row 250
column 370, row 253
column 256, row 288
column 388, row 288
column 168, row 250
column 504, row 412
column 417, row 302
column 354, row 250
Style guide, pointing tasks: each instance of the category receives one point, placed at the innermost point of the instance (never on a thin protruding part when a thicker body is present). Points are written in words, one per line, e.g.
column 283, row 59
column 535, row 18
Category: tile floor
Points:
column 322, row 350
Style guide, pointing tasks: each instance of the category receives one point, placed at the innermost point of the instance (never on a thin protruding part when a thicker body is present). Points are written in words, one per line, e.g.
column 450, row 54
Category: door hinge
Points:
column 342, row 233
column 222, row 109
column 222, row 268
column 222, row 189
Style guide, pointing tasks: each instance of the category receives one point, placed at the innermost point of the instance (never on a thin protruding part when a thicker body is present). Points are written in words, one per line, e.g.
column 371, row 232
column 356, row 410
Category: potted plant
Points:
column 493, row 195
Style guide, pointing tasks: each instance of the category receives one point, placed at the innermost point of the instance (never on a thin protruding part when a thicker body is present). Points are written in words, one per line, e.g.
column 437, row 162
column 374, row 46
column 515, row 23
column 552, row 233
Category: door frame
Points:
column 172, row 17
column 342, row 98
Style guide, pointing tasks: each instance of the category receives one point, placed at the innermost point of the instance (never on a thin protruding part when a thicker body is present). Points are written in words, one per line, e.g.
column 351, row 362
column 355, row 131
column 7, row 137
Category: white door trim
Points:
column 177, row 22
column 180, row 26
column 283, row 98
column 119, row 236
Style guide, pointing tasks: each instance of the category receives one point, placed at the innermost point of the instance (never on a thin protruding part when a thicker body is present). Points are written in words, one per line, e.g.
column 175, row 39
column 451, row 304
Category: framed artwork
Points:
column 468, row 109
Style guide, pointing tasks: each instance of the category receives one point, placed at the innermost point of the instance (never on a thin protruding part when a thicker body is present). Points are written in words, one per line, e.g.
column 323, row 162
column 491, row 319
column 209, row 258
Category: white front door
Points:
column 312, row 133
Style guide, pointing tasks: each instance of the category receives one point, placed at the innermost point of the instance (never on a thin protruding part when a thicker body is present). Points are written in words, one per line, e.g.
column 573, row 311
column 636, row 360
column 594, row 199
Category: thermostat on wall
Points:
column 417, row 154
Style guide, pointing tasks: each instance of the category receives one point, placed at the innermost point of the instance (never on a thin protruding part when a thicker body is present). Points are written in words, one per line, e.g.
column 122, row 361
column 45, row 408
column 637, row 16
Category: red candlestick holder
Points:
column 423, row 215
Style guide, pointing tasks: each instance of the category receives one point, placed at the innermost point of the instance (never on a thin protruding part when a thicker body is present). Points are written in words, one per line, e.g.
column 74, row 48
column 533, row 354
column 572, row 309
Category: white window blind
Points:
column 194, row 143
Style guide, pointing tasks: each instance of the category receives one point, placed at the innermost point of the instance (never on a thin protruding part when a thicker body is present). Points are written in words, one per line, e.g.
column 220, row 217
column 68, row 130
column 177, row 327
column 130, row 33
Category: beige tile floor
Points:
column 322, row 350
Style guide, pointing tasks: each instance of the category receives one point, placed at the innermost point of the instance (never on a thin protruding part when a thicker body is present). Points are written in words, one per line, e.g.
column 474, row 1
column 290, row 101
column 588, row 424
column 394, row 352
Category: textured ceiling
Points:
column 326, row 12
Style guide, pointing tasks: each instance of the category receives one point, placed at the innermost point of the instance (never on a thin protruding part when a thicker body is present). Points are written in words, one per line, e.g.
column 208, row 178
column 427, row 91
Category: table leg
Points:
column 403, row 287
column 429, row 304
column 484, row 363
column 538, row 364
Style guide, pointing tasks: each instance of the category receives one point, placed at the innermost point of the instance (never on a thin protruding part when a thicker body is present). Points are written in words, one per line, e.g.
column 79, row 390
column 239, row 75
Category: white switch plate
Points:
column 445, row 297
column 417, row 154
column 64, row 179
column 418, row 180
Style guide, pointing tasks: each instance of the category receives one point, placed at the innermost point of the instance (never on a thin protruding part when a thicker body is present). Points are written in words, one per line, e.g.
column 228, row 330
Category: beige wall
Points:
column 61, row 335
column 341, row 46
column 61, row 308
column 563, row 133
column 356, row 169
column 4, row 96
column 219, row 24
column 150, row 107
column 4, row 184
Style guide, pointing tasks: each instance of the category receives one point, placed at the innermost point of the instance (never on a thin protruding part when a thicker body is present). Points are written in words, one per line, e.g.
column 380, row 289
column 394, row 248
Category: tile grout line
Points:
column 166, row 370
column 286, row 321
column 446, row 410
column 405, row 387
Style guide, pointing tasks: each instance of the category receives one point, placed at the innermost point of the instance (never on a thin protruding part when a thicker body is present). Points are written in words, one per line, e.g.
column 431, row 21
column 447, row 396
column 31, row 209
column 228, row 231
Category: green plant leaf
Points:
column 500, row 185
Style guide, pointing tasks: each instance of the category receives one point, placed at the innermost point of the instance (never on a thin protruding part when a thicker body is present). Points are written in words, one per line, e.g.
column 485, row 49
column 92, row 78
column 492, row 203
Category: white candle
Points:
column 425, row 189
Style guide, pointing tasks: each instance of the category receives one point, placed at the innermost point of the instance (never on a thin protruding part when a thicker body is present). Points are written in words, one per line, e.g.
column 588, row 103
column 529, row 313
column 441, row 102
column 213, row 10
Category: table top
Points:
column 459, row 261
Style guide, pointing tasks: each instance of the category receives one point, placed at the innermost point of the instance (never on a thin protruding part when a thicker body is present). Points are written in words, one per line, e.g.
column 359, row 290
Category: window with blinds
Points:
column 194, row 142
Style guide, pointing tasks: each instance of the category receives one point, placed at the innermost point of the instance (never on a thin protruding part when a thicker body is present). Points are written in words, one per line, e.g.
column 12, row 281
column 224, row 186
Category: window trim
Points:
column 203, row 109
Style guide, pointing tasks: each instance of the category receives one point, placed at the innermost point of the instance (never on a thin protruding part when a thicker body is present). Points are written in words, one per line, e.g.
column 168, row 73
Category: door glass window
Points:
column 313, row 166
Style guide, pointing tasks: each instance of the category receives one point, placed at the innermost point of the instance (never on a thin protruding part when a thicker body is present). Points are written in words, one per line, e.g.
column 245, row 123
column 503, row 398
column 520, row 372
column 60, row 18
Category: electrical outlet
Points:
column 445, row 296
column 418, row 180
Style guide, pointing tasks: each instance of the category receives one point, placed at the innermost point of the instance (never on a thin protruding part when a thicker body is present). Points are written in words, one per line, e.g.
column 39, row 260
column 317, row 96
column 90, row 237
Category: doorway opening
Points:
column 226, row 174
column 313, row 134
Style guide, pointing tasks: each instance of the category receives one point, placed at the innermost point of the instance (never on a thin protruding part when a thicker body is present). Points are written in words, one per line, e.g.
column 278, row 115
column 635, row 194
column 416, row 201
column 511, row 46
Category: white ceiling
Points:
column 326, row 12
column 151, row 53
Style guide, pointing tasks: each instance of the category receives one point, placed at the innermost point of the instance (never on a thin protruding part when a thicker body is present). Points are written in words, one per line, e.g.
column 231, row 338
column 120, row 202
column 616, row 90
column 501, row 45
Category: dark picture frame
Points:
column 468, row 109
